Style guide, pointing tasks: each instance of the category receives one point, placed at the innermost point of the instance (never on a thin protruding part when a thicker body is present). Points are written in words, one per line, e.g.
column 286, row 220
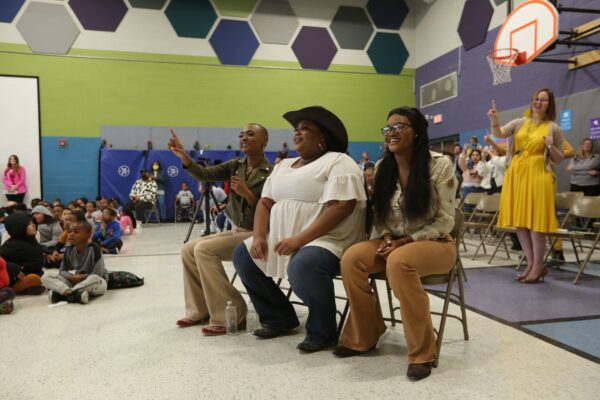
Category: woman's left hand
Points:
column 548, row 140
column 288, row 246
column 393, row 245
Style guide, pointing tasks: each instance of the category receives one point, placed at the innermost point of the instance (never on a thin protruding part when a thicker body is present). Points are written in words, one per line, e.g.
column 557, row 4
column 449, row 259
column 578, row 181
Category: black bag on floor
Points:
column 123, row 280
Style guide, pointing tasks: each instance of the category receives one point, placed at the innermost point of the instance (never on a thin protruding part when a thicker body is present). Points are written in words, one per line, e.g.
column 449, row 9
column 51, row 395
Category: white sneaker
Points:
column 84, row 297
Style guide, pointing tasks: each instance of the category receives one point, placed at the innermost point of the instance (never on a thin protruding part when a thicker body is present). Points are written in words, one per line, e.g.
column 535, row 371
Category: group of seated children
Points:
column 71, row 238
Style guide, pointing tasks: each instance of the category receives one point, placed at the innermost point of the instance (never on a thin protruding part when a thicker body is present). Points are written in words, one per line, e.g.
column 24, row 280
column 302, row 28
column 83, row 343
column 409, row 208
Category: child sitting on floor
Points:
column 23, row 254
column 108, row 233
column 7, row 294
column 82, row 272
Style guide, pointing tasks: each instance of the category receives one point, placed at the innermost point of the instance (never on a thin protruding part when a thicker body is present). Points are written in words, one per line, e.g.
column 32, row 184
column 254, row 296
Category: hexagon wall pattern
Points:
column 474, row 22
column 388, row 14
column 351, row 27
column 99, row 15
column 314, row 47
column 387, row 53
column 274, row 21
column 191, row 18
column 149, row 4
column 234, row 42
column 9, row 9
column 235, row 8
column 48, row 28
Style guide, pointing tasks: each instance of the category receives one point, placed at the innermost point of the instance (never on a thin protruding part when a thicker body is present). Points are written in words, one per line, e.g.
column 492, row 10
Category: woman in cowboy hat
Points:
column 311, row 209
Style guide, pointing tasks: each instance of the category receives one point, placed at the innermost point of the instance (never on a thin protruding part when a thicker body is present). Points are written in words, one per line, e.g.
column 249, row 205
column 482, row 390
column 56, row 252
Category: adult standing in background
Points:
column 583, row 168
column 158, row 175
column 14, row 179
column 534, row 144
column 364, row 159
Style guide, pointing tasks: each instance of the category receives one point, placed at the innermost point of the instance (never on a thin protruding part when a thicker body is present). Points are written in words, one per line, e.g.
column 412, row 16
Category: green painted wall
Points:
column 87, row 89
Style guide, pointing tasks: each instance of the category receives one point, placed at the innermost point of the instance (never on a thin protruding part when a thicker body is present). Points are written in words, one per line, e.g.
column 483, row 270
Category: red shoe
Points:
column 218, row 330
column 214, row 330
column 186, row 322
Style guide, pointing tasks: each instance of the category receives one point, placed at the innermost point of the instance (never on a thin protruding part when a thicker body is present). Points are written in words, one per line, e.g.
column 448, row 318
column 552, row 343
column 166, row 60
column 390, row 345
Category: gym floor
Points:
column 526, row 342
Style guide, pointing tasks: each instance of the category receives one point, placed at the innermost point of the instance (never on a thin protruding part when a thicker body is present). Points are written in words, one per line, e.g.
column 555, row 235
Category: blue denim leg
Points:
column 162, row 209
column 466, row 191
column 311, row 272
column 271, row 305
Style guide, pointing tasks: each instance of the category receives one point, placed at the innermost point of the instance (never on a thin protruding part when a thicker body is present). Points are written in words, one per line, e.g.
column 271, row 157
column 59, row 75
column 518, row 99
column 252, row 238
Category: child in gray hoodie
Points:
column 82, row 271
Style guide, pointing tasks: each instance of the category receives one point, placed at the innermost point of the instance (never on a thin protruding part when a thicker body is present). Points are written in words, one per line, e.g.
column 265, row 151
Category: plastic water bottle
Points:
column 230, row 319
column 252, row 322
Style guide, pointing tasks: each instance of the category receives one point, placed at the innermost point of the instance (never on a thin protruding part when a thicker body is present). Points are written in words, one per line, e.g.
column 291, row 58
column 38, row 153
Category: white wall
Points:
column 19, row 129
column 436, row 27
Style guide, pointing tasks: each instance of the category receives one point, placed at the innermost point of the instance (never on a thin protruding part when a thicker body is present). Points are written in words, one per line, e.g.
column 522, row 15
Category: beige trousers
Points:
column 404, row 268
column 206, row 286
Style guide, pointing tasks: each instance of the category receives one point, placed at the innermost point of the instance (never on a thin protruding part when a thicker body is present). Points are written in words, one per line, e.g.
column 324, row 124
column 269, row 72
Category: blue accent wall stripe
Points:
column 70, row 172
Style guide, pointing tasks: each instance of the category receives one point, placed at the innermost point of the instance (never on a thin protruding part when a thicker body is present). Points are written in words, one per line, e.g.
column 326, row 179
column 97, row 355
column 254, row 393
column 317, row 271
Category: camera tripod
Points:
column 207, row 195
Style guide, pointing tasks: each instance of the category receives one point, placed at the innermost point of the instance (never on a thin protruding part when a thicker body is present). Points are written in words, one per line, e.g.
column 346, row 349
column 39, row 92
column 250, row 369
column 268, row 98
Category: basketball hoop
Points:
column 501, row 61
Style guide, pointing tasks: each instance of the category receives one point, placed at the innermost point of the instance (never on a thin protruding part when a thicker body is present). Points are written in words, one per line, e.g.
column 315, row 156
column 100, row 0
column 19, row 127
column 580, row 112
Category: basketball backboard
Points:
column 530, row 28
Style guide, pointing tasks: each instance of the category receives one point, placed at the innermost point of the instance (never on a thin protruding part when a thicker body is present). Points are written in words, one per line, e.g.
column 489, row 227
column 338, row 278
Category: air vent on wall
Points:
column 441, row 89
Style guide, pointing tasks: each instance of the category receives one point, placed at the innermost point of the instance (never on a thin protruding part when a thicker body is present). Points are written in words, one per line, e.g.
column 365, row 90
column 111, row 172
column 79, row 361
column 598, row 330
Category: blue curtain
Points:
column 119, row 169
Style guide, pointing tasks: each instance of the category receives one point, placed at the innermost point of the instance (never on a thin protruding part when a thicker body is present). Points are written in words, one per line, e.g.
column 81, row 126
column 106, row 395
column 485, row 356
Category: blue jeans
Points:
column 310, row 273
column 471, row 189
column 162, row 209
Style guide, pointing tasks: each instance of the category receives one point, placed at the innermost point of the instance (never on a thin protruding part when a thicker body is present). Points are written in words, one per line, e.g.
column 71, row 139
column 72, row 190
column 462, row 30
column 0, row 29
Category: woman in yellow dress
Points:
column 534, row 144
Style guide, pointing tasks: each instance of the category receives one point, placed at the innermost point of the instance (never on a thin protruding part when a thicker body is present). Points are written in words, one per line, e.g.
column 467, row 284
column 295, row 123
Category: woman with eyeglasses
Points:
column 413, row 204
column 534, row 144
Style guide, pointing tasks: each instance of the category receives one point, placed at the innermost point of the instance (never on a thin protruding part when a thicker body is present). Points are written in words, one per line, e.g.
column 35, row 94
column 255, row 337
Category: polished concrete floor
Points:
column 126, row 345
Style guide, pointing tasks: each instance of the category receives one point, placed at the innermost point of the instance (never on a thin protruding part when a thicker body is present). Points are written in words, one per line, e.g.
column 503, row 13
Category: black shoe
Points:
column 269, row 332
column 558, row 255
column 79, row 297
column 310, row 346
column 416, row 372
column 55, row 297
column 343, row 352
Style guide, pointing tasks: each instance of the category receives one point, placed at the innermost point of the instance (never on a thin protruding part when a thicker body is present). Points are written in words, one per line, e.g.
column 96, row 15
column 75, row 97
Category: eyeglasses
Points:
column 539, row 100
column 396, row 128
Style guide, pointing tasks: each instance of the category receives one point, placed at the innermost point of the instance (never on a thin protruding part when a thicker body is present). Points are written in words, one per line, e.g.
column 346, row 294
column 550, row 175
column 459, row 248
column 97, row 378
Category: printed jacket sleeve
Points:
column 135, row 189
column 149, row 193
column 443, row 221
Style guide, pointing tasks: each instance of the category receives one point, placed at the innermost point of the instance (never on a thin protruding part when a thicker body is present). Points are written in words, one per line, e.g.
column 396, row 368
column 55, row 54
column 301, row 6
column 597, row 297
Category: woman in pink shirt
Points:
column 14, row 180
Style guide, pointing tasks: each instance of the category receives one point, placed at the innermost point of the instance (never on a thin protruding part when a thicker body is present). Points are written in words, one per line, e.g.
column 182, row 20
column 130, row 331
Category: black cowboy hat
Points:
column 334, row 130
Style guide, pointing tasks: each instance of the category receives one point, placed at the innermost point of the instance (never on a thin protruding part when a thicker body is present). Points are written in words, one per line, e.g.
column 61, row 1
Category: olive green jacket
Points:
column 238, row 209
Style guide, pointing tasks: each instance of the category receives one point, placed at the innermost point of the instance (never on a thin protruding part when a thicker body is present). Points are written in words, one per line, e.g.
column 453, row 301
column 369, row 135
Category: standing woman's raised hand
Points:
column 177, row 148
column 493, row 115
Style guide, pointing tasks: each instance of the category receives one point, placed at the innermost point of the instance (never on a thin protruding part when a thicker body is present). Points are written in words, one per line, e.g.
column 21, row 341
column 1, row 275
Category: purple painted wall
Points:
column 475, row 90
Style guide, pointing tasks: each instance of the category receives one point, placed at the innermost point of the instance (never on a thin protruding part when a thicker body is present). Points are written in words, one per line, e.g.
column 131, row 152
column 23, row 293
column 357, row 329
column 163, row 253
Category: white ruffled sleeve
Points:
column 344, row 181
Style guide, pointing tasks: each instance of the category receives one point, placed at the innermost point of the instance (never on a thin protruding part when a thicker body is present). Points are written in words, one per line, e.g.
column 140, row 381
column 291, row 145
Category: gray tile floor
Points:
column 126, row 345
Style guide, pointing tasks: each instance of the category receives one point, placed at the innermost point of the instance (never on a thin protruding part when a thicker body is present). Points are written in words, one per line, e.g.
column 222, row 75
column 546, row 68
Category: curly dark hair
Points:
column 417, row 195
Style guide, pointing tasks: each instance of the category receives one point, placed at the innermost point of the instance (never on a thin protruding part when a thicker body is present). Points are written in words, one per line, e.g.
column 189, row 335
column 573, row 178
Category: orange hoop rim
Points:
column 512, row 56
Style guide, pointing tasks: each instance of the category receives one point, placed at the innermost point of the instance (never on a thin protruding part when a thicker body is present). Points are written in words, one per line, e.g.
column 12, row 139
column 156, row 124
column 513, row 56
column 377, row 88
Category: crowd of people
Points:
column 313, row 218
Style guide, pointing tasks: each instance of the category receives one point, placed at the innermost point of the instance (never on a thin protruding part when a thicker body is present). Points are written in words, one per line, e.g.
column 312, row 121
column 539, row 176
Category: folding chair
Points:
column 583, row 207
column 153, row 212
column 484, row 217
column 455, row 273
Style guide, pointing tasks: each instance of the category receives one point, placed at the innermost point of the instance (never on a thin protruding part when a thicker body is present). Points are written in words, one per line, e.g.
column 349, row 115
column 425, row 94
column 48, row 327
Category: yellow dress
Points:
column 528, row 191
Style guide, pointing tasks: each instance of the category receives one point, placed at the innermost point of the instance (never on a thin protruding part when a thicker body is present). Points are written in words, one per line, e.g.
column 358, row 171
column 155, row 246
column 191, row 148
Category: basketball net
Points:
column 501, row 61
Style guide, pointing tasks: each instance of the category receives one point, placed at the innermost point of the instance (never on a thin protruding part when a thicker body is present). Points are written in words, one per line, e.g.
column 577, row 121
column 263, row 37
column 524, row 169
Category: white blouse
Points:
column 439, row 220
column 300, row 196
